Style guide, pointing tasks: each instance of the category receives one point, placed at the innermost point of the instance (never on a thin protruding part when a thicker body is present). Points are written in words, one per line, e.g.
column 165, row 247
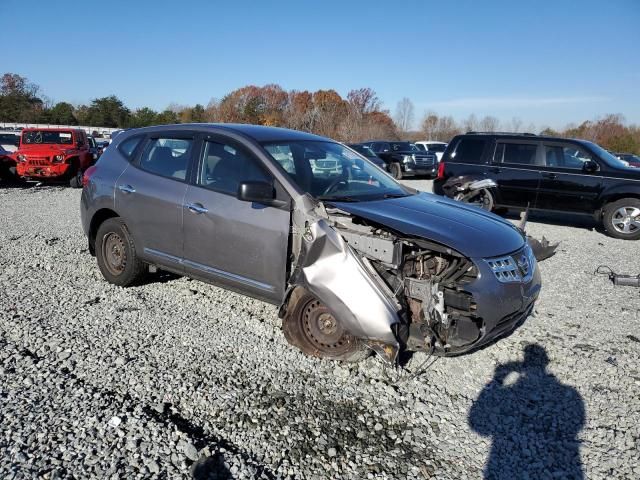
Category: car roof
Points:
column 521, row 136
column 259, row 133
column 70, row 129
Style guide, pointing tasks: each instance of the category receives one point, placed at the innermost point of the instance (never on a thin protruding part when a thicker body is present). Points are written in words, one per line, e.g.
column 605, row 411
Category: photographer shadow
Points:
column 533, row 420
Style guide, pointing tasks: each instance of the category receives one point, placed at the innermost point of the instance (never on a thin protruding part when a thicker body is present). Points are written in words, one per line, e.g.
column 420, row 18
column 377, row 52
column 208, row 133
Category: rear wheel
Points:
column 310, row 326
column 116, row 253
column 396, row 171
column 621, row 219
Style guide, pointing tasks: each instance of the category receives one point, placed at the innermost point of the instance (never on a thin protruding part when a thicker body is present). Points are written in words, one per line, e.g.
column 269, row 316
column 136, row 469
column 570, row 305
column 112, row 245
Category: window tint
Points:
column 437, row 147
column 168, row 157
column 520, row 153
column 567, row 156
column 421, row 147
column 224, row 167
column 129, row 145
column 469, row 150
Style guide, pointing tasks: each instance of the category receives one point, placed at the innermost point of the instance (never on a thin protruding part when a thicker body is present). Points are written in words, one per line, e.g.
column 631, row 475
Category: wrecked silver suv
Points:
column 356, row 261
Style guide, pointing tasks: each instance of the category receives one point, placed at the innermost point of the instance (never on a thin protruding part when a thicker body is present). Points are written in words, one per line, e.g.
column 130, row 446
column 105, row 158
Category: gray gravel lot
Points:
column 177, row 378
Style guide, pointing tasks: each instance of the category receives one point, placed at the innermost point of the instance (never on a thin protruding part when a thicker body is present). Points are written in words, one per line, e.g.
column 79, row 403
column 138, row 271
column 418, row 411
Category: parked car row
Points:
column 52, row 155
column 544, row 173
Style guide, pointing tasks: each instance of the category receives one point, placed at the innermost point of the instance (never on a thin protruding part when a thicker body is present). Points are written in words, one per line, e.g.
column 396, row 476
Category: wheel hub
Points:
column 114, row 253
column 626, row 220
column 322, row 331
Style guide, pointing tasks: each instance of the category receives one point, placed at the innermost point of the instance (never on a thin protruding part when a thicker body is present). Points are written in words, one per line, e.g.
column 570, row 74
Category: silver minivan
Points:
column 356, row 261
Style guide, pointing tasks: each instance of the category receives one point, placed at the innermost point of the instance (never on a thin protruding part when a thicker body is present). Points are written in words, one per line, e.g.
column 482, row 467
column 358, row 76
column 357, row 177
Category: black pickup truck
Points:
column 546, row 173
column 403, row 159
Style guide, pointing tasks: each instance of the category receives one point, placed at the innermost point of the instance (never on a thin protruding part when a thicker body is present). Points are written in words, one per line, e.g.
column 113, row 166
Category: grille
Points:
column 326, row 164
column 424, row 161
column 38, row 161
column 517, row 267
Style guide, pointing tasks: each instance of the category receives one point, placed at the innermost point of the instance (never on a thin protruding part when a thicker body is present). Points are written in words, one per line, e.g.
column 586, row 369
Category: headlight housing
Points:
column 58, row 158
column 21, row 158
column 407, row 158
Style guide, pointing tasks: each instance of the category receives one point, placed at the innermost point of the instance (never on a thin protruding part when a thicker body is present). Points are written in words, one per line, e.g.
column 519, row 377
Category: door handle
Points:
column 127, row 189
column 549, row 175
column 197, row 208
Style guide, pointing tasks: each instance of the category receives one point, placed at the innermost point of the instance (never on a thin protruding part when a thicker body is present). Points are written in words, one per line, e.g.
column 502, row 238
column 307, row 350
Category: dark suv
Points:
column 547, row 173
column 404, row 159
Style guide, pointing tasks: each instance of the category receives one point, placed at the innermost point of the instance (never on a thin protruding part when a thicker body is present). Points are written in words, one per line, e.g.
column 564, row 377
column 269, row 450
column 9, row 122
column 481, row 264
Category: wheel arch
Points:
column 611, row 196
column 98, row 219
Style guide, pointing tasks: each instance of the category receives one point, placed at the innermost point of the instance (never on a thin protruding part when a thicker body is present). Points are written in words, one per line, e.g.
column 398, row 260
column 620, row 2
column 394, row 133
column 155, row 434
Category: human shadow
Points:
column 533, row 420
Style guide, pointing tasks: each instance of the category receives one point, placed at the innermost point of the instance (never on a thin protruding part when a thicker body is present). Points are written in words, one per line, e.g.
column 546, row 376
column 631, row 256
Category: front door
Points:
column 240, row 245
column 564, row 183
column 149, row 196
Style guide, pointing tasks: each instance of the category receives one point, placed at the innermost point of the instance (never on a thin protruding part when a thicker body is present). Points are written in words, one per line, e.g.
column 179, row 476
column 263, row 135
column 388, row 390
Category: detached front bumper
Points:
column 27, row 170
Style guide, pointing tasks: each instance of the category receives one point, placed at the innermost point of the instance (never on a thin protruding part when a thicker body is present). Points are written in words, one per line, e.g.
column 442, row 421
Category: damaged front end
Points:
column 388, row 291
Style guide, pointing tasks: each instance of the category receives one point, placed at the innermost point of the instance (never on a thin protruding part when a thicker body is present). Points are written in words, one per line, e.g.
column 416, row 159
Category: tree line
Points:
column 360, row 116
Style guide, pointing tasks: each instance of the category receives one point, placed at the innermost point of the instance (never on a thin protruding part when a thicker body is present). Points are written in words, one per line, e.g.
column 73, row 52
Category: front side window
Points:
column 47, row 137
column 567, row 156
column 224, row 167
column 469, row 150
column 519, row 153
column 330, row 171
column 168, row 157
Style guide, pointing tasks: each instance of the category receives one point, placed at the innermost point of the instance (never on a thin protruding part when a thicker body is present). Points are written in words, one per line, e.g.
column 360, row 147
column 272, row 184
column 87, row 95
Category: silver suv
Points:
column 357, row 261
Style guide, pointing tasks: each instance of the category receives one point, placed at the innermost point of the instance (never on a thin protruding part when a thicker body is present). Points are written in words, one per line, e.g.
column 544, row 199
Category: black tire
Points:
column 116, row 254
column 396, row 171
column 621, row 219
column 301, row 326
column 76, row 179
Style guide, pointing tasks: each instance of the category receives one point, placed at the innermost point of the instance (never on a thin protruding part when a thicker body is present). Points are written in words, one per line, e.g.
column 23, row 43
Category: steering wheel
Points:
column 334, row 184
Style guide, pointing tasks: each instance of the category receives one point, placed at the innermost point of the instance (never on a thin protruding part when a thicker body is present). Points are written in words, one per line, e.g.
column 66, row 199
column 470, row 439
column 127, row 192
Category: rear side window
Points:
column 469, row 150
column 128, row 147
column 168, row 157
column 522, row 154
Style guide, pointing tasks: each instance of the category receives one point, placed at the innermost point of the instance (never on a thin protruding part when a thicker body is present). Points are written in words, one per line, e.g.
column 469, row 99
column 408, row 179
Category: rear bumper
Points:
column 44, row 171
column 409, row 170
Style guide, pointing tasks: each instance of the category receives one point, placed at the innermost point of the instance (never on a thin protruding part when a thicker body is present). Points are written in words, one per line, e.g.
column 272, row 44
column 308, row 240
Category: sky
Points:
column 549, row 63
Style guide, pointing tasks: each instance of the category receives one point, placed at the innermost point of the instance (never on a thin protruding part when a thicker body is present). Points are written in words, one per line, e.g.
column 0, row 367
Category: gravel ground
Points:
column 176, row 378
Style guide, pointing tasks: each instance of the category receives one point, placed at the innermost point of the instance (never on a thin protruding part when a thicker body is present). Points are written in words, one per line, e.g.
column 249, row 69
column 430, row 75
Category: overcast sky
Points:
column 548, row 63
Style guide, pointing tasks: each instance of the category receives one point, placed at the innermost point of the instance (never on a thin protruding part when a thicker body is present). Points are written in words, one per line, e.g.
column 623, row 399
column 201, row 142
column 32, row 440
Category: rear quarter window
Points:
column 128, row 147
column 469, row 150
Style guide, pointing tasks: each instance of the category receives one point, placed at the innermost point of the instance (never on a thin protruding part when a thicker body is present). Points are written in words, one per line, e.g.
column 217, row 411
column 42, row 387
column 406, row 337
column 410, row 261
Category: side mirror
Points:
column 590, row 166
column 260, row 192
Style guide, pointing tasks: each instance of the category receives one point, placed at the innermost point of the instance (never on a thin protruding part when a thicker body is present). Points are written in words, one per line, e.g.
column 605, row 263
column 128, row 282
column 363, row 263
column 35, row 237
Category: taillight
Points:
column 86, row 178
column 441, row 170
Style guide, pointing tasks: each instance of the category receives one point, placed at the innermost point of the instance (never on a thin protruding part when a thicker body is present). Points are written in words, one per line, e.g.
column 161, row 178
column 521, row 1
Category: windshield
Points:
column 9, row 139
column 330, row 171
column 363, row 150
column 609, row 158
column 40, row 136
column 403, row 147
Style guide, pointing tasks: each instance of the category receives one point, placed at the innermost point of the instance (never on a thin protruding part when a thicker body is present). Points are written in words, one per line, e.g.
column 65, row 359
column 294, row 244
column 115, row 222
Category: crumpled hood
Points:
column 466, row 229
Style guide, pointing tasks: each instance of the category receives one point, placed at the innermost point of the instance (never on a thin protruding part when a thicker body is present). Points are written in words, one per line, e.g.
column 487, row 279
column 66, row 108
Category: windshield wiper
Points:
column 395, row 195
column 331, row 198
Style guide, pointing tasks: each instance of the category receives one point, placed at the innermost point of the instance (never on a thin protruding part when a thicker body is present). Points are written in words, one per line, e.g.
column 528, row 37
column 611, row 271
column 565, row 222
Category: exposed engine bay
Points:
column 425, row 279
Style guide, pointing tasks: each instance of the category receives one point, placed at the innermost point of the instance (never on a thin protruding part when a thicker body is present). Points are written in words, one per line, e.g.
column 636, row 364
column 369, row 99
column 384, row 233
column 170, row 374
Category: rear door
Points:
column 240, row 245
column 150, row 192
column 564, row 184
column 516, row 168
column 468, row 157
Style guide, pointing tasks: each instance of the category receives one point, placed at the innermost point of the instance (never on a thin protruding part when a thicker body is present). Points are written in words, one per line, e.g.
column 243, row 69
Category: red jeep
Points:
column 54, row 154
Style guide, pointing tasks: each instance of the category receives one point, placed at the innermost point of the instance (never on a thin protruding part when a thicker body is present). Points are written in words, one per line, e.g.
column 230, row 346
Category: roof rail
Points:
column 502, row 133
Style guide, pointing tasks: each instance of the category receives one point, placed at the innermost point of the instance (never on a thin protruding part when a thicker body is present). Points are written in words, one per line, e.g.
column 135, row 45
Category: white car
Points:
column 9, row 140
column 432, row 146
